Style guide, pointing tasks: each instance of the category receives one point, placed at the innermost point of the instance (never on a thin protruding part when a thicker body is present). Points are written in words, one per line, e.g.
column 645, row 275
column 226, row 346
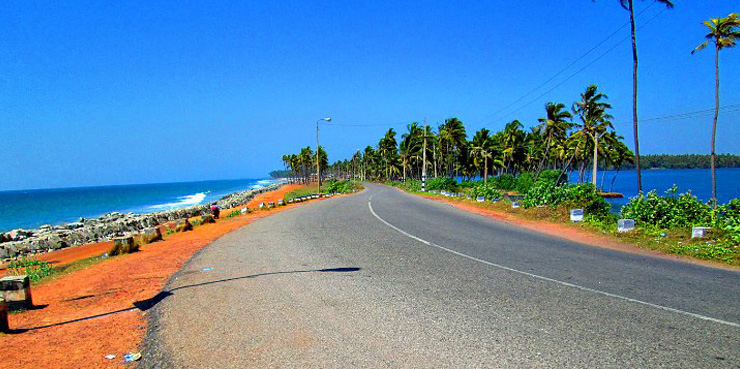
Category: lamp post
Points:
column 318, row 166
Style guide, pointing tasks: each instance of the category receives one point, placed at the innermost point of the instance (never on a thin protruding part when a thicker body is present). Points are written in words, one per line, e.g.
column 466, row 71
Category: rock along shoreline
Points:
column 19, row 242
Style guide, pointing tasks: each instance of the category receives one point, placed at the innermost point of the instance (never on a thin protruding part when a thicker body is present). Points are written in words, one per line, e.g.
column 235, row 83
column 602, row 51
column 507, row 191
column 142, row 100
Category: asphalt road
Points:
column 386, row 279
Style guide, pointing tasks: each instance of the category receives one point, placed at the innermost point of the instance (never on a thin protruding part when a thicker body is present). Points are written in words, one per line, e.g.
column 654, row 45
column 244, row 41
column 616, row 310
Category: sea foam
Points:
column 184, row 201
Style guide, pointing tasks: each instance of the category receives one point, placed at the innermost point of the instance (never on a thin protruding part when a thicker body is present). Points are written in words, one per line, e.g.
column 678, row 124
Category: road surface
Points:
column 384, row 279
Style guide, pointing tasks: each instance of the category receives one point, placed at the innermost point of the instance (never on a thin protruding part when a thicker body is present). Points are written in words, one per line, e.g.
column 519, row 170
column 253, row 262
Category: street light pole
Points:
column 424, row 160
column 318, row 165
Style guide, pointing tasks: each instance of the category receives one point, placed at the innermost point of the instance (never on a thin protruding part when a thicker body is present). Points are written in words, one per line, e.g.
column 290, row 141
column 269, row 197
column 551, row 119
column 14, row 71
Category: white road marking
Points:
column 587, row 289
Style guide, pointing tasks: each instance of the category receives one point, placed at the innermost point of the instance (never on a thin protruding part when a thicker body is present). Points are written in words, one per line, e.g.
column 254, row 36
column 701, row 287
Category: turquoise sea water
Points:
column 33, row 208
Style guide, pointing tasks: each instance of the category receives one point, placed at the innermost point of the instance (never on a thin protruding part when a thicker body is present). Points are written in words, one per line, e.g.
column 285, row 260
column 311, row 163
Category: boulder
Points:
column 149, row 235
column 123, row 245
column 208, row 218
column 182, row 225
column 245, row 210
column 16, row 291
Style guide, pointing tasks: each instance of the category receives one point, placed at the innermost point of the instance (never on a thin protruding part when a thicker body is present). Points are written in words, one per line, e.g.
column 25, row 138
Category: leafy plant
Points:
column 580, row 195
column 35, row 269
column 486, row 191
column 442, row 184
column 671, row 211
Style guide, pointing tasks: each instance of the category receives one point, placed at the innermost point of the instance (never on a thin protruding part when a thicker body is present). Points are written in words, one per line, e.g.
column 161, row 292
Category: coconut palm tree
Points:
column 482, row 148
column 452, row 138
column 723, row 33
column 629, row 6
column 388, row 149
column 512, row 144
column 555, row 125
column 592, row 111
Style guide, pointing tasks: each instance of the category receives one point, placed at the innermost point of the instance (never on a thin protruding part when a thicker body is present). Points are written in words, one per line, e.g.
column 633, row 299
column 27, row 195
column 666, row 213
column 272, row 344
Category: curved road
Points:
column 387, row 279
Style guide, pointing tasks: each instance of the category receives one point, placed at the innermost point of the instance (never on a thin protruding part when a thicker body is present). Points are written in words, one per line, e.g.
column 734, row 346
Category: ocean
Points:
column 33, row 208
column 699, row 181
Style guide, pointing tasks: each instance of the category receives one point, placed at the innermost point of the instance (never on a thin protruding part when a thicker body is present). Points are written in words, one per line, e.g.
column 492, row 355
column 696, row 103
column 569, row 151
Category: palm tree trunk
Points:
column 603, row 176
column 634, row 98
column 714, row 130
column 542, row 162
column 611, row 187
column 485, row 170
column 596, row 159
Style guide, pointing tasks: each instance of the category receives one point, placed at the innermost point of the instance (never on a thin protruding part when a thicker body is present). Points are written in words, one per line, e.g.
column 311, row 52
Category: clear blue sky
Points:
column 95, row 93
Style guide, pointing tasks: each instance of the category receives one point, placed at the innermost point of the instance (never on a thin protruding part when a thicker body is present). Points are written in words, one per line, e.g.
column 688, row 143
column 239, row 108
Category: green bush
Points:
column 505, row 182
column 524, row 182
column 671, row 211
column 469, row 183
column 442, row 184
column 487, row 191
column 553, row 176
column 335, row 186
column 581, row 196
column 35, row 269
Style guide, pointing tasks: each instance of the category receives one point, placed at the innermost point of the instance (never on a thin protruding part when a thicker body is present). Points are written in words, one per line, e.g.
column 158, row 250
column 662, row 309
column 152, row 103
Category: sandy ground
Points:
column 84, row 316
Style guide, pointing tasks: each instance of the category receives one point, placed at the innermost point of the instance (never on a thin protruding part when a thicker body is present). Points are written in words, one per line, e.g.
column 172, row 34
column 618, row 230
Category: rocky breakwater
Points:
column 48, row 238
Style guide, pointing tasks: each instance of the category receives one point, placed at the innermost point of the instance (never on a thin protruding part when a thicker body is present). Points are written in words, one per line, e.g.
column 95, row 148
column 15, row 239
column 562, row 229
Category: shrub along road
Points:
column 388, row 279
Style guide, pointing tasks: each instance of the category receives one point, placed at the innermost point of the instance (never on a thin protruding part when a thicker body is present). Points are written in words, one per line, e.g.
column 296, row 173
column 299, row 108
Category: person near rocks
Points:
column 215, row 210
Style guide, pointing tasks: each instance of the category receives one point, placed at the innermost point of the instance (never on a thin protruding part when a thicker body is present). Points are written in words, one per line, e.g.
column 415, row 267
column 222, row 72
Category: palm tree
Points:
column 596, row 121
column 629, row 6
column 512, row 140
column 723, row 32
column 481, row 147
column 388, row 149
column 555, row 125
column 452, row 137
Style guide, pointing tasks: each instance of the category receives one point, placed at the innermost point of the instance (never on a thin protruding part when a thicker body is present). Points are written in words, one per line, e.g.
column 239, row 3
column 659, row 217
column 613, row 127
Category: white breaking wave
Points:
column 184, row 201
column 262, row 183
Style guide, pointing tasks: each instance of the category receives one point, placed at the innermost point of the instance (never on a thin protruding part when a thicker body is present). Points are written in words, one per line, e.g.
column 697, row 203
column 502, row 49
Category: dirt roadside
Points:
column 84, row 316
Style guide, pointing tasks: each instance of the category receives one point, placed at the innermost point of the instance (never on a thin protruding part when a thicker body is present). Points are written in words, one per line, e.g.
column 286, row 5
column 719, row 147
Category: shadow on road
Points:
column 149, row 303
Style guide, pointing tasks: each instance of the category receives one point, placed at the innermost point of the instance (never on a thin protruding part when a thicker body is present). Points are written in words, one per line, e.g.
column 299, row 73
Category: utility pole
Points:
column 424, row 160
column 318, row 165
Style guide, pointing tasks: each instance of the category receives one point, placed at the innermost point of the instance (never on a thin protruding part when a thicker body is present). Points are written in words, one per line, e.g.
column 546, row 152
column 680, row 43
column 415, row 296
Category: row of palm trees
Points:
column 558, row 141
column 303, row 165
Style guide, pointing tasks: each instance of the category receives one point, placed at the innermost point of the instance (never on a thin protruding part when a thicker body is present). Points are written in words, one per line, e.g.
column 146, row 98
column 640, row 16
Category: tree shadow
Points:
column 149, row 303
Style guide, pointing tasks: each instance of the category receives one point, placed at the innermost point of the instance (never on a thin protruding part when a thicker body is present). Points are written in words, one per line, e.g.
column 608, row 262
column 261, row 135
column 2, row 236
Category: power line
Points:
column 582, row 69
column 567, row 66
column 693, row 114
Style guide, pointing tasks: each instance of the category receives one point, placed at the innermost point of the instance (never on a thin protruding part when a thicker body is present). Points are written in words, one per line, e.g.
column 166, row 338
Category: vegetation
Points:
column 688, row 161
column 35, row 269
column 556, row 142
column 723, row 33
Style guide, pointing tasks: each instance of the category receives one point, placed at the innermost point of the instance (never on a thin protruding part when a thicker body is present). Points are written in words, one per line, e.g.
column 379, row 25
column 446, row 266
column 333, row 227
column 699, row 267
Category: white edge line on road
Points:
column 587, row 289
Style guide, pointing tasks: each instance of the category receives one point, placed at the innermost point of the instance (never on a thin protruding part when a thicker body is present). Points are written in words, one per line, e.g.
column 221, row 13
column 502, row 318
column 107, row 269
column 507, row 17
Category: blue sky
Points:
column 95, row 93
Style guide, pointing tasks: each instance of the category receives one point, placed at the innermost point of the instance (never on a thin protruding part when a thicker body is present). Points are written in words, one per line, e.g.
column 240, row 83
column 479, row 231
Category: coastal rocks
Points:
column 182, row 225
column 123, row 245
column 208, row 218
column 150, row 235
column 18, row 234
column 107, row 227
